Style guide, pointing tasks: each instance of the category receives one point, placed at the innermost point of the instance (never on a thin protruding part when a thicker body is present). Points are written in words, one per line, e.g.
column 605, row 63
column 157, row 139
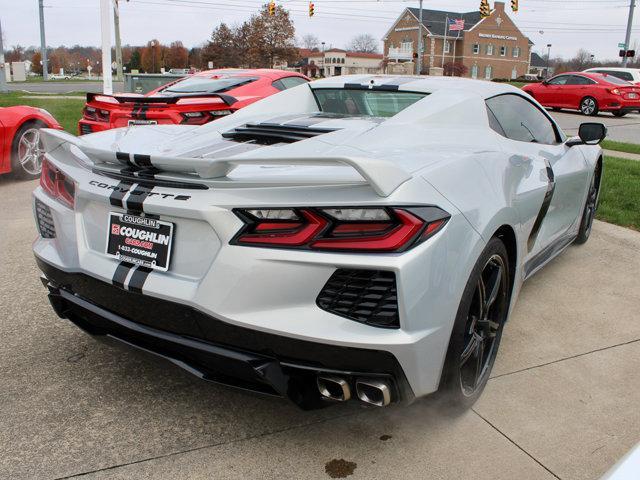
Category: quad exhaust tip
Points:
column 334, row 388
column 373, row 392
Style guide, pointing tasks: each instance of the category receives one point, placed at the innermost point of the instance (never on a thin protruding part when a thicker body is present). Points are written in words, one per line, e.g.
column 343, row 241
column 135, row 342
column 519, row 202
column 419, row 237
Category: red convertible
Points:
column 193, row 100
column 20, row 147
column 589, row 93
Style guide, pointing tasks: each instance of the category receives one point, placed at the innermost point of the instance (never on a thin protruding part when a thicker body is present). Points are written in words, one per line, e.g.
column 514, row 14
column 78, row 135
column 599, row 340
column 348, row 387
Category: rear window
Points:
column 199, row 84
column 613, row 79
column 621, row 75
column 374, row 103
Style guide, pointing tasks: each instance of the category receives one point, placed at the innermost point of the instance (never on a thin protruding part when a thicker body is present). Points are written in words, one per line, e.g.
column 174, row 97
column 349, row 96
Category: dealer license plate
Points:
column 140, row 240
column 142, row 122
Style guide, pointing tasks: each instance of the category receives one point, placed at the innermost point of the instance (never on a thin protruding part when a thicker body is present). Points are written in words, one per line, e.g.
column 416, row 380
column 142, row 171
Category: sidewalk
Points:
column 628, row 156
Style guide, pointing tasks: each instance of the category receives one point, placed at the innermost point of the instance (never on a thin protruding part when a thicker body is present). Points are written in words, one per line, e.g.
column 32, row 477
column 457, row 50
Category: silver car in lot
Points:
column 357, row 238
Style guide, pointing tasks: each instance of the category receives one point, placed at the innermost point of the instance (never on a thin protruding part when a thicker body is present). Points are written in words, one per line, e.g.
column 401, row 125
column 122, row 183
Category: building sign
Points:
column 497, row 37
column 404, row 29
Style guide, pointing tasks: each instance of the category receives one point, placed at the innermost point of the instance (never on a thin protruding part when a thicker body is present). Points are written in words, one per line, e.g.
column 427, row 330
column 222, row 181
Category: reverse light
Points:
column 359, row 229
column 57, row 184
column 614, row 91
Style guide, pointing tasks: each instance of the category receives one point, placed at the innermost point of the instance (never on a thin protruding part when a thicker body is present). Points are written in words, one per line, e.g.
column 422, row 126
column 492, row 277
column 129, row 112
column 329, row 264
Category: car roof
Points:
column 613, row 69
column 244, row 72
column 592, row 75
column 426, row 84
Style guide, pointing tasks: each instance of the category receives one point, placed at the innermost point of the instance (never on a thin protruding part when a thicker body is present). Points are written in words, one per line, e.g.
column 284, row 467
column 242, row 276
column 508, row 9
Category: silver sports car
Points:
column 357, row 238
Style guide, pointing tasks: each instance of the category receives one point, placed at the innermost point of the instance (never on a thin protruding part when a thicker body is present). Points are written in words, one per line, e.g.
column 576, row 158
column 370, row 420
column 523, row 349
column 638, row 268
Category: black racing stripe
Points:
column 138, row 278
column 142, row 160
column 120, row 275
column 137, row 197
column 143, row 111
column 118, row 193
column 122, row 156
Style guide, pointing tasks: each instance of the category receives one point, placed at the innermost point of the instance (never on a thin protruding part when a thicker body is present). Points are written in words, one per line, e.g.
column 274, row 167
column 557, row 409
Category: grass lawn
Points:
column 620, row 193
column 66, row 110
column 620, row 146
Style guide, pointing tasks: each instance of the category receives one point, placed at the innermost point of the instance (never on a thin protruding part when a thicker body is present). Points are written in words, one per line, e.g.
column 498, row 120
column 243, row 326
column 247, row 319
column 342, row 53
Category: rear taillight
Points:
column 200, row 118
column 96, row 114
column 57, row 184
column 361, row 229
column 613, row 91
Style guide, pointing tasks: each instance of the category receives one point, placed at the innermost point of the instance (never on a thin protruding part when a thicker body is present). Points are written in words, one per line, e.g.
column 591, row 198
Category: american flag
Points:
column 456, row 25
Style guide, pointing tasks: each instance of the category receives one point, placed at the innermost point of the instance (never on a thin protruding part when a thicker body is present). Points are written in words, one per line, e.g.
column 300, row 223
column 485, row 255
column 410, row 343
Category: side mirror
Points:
column 589, row 134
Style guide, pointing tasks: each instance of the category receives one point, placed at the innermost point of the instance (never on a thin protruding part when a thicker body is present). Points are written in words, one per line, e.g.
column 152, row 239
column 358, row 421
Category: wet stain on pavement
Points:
column 384, row 438
column 339, row 468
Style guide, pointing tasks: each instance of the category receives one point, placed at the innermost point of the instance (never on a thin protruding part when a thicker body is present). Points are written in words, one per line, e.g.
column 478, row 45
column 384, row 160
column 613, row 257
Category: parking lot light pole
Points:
column 419, row 59
column 627, row 39
column 105, row 24
column 43, row 43
column 548, row 58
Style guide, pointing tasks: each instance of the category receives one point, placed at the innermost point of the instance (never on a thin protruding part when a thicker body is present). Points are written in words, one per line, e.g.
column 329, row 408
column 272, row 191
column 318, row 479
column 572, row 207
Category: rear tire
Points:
column 619, row 113
column 589, row 106
column 556, row 109
column 477, row 330
column 590, row 207
column 26, row 151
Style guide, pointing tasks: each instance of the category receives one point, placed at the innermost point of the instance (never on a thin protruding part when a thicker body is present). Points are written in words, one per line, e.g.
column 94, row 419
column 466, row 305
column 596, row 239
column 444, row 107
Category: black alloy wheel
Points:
column 590, row 207
column 478, row 328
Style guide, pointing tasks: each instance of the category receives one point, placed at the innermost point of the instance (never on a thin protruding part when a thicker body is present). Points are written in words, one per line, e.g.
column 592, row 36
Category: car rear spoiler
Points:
column 228, row 99
column 382, row 175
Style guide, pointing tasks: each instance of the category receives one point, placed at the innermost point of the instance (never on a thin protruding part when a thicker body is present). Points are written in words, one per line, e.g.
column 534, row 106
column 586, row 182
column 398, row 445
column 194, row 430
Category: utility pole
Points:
column 116, row 26
column 419, row 59
column 105, row 27
column 627, row 40
column 3, row 77
column 43, row 43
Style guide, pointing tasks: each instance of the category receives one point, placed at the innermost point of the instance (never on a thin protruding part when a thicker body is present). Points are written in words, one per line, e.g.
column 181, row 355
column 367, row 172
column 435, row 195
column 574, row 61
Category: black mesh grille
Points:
column 367, row 296
column 85, row 129
column 45, row 220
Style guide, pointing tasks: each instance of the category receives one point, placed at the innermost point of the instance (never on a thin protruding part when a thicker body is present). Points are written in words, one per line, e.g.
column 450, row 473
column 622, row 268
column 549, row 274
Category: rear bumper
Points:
column 239, row 357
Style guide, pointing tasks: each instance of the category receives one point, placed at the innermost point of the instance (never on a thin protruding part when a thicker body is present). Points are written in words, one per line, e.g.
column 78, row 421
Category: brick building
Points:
column 489, row 48
column 335, row 61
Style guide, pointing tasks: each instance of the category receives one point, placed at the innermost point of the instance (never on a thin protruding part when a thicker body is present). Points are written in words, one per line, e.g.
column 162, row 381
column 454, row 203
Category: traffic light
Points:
column 311, row 9
column 485, row 10
column 514, row 5
column 631, row 53
column 272, row 8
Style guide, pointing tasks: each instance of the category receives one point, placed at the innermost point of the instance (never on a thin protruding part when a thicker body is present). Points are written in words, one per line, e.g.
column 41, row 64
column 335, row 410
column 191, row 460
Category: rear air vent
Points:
column 367, row 296
column 270, row 133
column 45, row 220
column 85, row 129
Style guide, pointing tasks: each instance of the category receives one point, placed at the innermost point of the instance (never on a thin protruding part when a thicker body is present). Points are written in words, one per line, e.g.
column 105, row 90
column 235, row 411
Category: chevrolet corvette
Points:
column 357, row 238
column 193, row 100
column 20, row 146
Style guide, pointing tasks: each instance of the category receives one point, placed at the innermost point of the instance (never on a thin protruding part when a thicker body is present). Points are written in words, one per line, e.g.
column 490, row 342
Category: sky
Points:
column 596, row 25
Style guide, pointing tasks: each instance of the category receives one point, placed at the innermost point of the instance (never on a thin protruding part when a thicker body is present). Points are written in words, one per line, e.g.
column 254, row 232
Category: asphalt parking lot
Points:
column 562, row 403
column 625, row 129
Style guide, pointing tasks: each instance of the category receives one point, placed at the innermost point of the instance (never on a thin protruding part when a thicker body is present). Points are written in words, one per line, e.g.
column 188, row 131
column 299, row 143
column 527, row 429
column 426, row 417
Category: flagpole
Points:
column 444, row 43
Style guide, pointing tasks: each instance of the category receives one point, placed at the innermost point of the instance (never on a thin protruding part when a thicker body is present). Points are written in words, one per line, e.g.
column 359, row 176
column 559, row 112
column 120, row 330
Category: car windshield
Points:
column 375, row 103
column 199, row 84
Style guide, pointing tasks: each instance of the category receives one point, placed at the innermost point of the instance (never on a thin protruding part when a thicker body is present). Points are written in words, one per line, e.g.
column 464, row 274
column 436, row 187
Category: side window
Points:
column 476, row 48
column 559, row 80
column 290, row 82
column 278, row 84
column 521, row 120
column 580, row 80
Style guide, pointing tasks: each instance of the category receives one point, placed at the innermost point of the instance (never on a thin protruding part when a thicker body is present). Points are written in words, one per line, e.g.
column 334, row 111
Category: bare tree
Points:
column 310, row 42
column 365, row 43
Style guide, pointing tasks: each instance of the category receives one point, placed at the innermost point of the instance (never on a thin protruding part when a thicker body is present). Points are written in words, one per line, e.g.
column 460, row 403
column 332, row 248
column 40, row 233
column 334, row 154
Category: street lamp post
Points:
column 322, row 73
column 153, row 56
column 548, row 57
column 419, row 59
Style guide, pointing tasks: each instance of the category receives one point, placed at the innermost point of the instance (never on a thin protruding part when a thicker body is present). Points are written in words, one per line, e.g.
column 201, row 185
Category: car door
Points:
column 529, row 133
column 582, row 87
column 552, row 92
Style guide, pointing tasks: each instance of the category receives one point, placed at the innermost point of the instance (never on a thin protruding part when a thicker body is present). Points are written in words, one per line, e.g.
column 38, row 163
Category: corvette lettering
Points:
column 106, row 186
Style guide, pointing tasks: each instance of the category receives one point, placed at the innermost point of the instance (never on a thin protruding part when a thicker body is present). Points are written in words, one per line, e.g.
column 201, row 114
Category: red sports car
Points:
column 193, row 100
column 588, row 92
column 20, row 147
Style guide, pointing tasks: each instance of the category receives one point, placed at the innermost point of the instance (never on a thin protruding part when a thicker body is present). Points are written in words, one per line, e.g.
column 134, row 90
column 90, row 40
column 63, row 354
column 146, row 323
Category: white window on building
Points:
column 447, row 46
column 476, row 48
column 503, row 51
column 474, row 71
column 490, row 49
column 516, row 52
column 406, row 46
column 488, row 72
